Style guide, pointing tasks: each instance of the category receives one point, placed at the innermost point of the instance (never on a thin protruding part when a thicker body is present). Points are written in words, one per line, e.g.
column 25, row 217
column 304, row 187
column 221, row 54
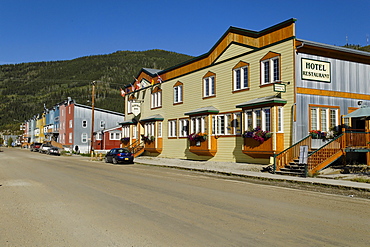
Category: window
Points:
column 156, row 98
column 227, row 124
column 183, row 127
column 241, row 76
column 177, row 93
column 149, row 129
column 70, row 124
column 258, row 118
column 209, row 87
column 324, row 118
column 84, row 137
column 114, row 135
column 129, row 106
column 102, row 124
column 70, row 138
column 84, row 123
column 134, row 132
column 198, row 124
column 172, row 128
column 99, row 136
column 270, row 68
column 126, row 131
column 159, row 129
column 280, row 119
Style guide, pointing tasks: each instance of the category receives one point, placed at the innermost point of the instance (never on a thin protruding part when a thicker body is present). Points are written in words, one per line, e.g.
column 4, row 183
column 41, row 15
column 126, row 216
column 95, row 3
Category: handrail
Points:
column 133, row 146
column 284, row 157
column 316, row 158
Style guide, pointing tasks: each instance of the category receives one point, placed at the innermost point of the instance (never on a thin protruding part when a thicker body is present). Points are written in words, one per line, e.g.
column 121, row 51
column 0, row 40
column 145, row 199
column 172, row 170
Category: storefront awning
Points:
column 264, row 101
column 156, row 117
column 364, row 111
column 203, row 110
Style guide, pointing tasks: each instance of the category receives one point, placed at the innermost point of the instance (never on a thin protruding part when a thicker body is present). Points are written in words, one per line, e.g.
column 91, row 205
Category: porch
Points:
column 349, row 141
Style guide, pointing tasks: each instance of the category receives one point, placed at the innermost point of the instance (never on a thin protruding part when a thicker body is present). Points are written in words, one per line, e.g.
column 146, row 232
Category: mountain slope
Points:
column 26, row 87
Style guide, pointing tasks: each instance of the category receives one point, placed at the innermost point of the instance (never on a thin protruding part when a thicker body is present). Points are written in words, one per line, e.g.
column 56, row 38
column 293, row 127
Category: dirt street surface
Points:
column 70, row 201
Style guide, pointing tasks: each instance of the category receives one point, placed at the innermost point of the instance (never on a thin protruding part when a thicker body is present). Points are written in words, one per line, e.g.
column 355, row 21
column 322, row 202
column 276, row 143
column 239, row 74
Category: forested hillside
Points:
column 25, row 88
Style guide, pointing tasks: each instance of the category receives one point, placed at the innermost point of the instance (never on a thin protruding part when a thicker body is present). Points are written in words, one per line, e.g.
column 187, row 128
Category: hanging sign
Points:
column 281, row 88
column 136, row 108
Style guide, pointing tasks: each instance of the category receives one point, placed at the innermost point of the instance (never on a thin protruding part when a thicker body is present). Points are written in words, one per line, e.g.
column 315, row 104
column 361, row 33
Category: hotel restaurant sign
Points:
column 315, row 70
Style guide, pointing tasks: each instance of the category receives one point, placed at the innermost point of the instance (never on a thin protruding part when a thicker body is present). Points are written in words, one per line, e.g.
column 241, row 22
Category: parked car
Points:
column 44, row 148
column 53, row 150
column 119, row 155
column 35, row 146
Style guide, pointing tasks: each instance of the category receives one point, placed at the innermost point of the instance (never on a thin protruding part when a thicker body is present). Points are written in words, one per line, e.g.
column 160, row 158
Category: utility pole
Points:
column 92, row 119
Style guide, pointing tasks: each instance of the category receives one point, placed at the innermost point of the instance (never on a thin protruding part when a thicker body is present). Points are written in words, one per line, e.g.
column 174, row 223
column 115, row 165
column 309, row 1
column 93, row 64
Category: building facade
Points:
column 253, row 95
column 69, row 124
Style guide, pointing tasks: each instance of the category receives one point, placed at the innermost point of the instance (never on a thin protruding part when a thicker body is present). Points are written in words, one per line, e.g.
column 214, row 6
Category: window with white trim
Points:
column 159, row 129
column 115, row 135
column 209, row 86
column 134, row 132
column 226, row 124
column 70, row 138
column 129, row 106
column 84, row 123
column 324, row 118
column 156, row 99
column 149, row 129
column 99, row 136
column 241, row 78
column 280, row 119
column 126, row 131
column 70, row 124
column 270, row 70
column 84, row 137
column 172, row 131
column 177, row 94
column 183, row 127
column 259, row 117
column 198, row 124
column 102, row 124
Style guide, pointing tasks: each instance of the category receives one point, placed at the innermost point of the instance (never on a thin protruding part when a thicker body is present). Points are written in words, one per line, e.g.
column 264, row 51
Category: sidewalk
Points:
column 248, row 170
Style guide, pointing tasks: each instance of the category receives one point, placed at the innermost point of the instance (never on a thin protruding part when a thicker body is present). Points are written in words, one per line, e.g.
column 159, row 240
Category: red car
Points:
column 35, row 147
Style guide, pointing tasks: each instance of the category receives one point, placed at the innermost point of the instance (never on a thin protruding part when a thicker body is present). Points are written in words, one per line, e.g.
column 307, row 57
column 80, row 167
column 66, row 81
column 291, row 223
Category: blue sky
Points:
column 50, row 30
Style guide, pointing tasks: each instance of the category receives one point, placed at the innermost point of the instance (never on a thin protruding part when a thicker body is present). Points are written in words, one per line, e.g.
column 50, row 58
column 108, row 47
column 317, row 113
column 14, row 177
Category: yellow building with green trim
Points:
column 253, row 95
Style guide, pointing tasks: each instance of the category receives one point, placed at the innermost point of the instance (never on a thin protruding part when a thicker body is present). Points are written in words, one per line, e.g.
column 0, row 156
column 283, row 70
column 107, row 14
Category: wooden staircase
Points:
column 287, row 162
column 137, row 148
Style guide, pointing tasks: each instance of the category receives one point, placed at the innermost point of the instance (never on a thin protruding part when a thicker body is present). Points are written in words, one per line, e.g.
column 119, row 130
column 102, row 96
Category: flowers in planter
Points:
column 147, row 138
column 198, row 137
column 317, row 134
column 332, row 133
column 257, row 134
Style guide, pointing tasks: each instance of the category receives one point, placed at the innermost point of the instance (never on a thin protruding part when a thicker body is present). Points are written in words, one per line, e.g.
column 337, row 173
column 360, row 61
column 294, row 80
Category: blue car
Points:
column 119, row 155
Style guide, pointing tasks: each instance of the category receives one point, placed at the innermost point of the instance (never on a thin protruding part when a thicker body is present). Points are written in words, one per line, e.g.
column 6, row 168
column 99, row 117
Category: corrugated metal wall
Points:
column 346, row 76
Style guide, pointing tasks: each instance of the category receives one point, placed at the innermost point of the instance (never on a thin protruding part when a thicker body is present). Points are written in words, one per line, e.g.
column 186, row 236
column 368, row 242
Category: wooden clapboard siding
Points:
column 233, row 47
column 232, row 51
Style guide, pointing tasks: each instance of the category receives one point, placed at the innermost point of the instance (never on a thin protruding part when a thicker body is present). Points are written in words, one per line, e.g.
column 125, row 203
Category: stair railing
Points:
column 135, row 146
column 283, row 158
column 315, row 160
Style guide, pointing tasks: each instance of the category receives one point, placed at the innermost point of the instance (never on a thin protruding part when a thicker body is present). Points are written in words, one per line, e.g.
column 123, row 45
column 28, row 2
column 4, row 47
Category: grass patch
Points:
column 361, row 180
